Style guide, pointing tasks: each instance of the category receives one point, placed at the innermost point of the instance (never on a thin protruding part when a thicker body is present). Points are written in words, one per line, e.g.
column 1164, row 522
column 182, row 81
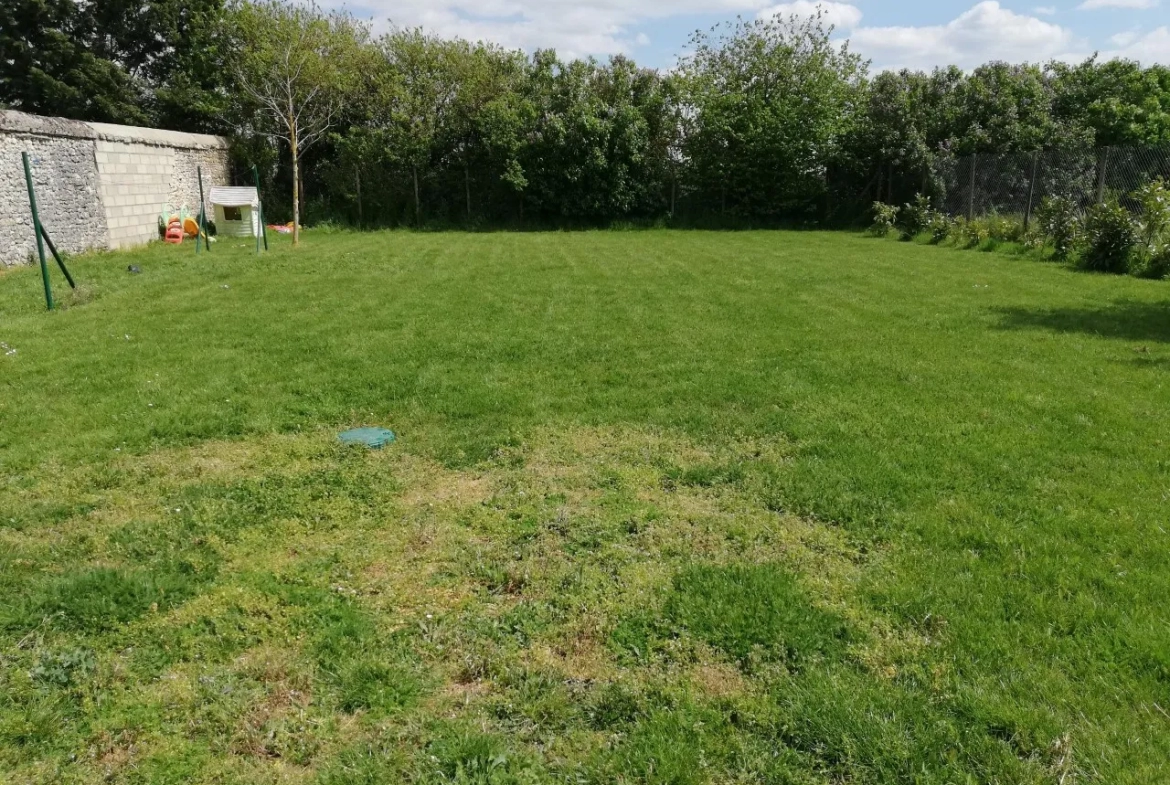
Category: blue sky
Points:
column 911, row 33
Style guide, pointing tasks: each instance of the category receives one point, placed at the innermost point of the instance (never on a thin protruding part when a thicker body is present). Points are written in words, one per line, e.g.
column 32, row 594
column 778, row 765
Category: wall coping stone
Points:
column 13, row 122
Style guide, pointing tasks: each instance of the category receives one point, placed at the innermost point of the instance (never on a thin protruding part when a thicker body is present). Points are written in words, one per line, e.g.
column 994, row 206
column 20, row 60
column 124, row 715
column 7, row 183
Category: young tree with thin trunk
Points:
column 297, row 68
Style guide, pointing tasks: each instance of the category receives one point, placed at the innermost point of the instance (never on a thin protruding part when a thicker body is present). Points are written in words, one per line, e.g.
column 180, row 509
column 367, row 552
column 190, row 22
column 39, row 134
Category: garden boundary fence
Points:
column 1014, row 184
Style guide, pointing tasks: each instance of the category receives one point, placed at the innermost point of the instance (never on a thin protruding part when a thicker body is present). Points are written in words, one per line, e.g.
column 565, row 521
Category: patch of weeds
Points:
column 478, row 657
column 42, row 513
column 364, row 669
column 214, row 636
column 636, row 634
column 745, row 609
column 151, row 541
column 613, row 705
column 525, row 620
column 33, row 721
column 215, row 702
column 500, row 576
column 675, row 747
column 227, row 508
column 467, row 757
column 63, row 668
column 366, row 764
column 535, row 697
column 704, row 475
column 862, row 729
column 367, row 682
column 171, row 766
column 100, row 599
column 339, row 629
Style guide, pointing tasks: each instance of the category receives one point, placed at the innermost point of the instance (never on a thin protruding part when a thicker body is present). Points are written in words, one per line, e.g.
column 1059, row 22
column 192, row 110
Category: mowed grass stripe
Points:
column 987, row 434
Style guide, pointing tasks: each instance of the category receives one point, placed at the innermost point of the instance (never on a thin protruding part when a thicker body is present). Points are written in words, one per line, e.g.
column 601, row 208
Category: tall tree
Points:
column 47, row 66
column 1118, row 101
column 772, row 101
column 421, row 100
column 297, row 67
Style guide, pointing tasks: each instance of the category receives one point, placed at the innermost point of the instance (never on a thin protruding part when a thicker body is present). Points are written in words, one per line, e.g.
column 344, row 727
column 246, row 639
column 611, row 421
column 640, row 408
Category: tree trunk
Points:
column 296, row 172
column 357, row 174
column 301, row 188
column 467, row 187
column 673, row 190
column 417, row 206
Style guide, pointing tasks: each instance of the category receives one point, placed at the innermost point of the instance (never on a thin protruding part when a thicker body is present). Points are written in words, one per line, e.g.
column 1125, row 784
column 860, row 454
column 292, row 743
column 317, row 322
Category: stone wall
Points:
column 66, row 180
column 98, row 185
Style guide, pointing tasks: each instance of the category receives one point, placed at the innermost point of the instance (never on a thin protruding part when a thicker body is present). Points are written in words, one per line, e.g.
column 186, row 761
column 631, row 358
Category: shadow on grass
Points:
column 1127, row 320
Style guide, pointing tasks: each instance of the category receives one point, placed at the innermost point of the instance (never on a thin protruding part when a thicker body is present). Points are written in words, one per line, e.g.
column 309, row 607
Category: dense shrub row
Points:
column 1106, row 238
column 762, row 122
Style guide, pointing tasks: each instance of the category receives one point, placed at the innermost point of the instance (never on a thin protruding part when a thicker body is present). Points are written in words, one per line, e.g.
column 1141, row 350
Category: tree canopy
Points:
column 769, row 120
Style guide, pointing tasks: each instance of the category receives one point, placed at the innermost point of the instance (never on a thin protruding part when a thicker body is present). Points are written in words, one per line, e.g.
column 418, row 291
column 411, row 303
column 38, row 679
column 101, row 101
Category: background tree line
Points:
column 766, row 121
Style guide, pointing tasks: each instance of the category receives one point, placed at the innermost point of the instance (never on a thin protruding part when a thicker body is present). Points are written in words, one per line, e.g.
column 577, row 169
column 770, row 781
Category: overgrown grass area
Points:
column 665, row 507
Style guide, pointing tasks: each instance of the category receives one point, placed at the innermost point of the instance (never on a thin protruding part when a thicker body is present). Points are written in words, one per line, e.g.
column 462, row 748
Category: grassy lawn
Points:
column 665, row 507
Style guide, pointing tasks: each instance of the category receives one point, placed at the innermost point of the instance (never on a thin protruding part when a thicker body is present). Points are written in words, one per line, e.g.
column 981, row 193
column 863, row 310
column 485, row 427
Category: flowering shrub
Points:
column 885, row 218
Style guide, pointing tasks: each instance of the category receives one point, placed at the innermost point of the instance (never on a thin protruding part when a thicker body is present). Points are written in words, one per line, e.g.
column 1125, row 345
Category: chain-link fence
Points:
column 1016, row 183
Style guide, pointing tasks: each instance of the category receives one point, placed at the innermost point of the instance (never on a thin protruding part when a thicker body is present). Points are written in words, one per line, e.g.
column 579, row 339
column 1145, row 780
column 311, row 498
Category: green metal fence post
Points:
column 1102, row 171
column 57, row 256
column 1031, row 191
column 971, row 194
column 263, row 226
column 32, row 201
column 201, row 229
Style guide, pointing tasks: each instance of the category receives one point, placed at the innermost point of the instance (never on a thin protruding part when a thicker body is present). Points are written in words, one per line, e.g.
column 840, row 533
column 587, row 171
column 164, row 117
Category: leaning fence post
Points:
column 1031, row 191
column 32, row 202
column 1103, row 157
column 357, row 179
column 971, row 195
column 260, row 202
column 201, row 223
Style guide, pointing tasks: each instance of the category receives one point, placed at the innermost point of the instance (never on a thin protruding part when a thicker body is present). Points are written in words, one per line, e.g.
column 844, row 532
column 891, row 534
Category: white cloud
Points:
column 1090, row 5
column 1045, row 10
column 842, row 16
column 1153, row 47
column 985, row 32
column 574, row 28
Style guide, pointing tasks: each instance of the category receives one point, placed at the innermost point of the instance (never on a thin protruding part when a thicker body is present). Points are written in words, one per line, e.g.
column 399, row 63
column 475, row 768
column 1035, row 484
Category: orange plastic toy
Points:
column 174, row 231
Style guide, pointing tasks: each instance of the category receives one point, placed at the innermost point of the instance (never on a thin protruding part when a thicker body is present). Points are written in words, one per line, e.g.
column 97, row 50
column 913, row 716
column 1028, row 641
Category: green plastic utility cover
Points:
column 374, row 438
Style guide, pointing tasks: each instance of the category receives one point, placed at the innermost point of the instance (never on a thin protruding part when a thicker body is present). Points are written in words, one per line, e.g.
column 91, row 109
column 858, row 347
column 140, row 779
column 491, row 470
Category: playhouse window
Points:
column 232, row 214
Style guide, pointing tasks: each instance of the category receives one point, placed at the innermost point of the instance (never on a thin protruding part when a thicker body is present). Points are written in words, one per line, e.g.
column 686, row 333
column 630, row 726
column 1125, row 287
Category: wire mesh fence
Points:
column 1016, row 183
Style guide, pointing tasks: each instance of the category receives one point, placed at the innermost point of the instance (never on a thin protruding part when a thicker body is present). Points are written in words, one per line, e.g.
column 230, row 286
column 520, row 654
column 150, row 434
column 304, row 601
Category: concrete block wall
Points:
column 98, row 185
column 136, row 183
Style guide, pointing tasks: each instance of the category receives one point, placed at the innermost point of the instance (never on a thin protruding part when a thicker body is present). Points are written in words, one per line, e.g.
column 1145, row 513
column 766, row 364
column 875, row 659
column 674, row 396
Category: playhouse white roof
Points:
column 233, row 195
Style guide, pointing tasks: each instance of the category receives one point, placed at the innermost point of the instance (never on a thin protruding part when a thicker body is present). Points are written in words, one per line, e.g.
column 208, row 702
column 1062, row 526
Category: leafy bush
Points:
column 1154, row 230
column 1005, row 228
column 1059, row 221
column 969, row 234
column 941, row 227
column 1111, row 238
column 1155, row 266
column 885, row 218
column 914, row 217
column 1034, row 240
